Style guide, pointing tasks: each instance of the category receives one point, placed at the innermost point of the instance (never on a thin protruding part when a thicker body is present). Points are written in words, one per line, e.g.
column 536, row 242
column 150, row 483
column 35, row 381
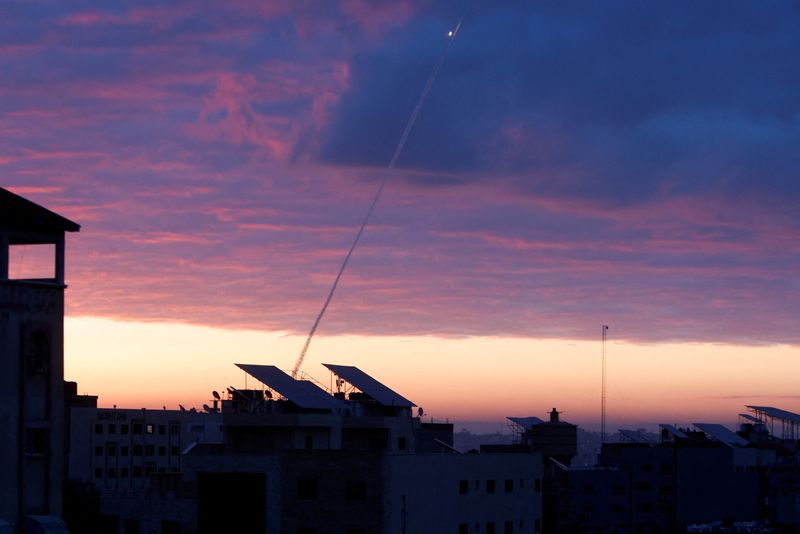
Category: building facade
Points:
column 32, row 457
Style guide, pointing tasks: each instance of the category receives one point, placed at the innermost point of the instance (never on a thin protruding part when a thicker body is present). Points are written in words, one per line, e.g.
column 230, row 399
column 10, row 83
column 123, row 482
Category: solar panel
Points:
column 301, row 392
column 634, row 436
column 748, row 417
column 777, row 413
column 526, row 422
column 370, row 386
column 722, row 434
column 674, row 431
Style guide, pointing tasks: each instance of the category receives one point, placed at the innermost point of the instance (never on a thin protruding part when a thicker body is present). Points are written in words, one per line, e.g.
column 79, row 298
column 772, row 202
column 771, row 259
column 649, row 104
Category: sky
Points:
column 575, row 164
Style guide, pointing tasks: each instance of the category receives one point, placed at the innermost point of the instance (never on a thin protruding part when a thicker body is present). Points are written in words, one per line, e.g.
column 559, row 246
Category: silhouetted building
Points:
column 295, row 458
column 131, row 460
column 31, row 363
column 689, row 476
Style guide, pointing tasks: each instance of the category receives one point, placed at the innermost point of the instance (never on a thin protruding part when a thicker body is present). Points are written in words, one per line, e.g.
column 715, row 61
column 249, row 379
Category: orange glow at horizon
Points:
column 135, row 364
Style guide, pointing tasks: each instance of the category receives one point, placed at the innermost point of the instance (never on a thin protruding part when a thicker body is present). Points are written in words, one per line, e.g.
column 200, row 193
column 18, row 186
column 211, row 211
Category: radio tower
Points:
column 603, row 394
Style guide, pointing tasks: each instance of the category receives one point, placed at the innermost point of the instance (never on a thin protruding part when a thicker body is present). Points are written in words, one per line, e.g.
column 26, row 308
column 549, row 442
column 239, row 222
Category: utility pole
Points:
column 603, row 393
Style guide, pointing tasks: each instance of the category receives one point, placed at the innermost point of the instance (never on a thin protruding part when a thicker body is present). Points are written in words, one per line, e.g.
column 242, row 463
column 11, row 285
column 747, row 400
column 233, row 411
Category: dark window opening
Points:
column 463, row 487
column 98, row 428
column 307, row 489
column 401, row 444
column 37, row 441
column 508, row 527
column 490, row 490
column 356, row 490
column 509, row 485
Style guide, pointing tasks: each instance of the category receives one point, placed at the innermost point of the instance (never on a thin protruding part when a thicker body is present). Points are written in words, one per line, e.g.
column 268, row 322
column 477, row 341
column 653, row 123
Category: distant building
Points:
column 32, row 450
column 689, row 476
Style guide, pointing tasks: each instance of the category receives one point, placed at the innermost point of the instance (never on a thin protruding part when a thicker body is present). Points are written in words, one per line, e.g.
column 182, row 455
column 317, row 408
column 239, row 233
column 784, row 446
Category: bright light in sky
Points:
column 135, row 364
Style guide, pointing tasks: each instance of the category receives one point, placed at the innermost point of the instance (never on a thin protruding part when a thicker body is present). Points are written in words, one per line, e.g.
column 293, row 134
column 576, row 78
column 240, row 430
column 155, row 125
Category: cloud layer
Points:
column 575, row 164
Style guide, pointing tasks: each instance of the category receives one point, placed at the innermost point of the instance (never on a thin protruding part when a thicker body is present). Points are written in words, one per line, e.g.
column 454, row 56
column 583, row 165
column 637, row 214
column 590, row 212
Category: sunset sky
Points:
column 576, row 164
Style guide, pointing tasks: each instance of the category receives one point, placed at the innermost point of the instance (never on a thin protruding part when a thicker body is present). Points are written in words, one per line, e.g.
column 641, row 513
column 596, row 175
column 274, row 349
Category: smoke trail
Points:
column 400, row 145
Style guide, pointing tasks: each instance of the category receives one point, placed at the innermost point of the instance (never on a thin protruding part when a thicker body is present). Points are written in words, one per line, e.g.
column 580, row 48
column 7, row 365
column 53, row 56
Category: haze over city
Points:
column 574, row 165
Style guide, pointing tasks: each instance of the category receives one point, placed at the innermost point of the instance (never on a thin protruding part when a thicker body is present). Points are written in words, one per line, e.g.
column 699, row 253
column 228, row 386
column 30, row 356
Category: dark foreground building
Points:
column 32, row 454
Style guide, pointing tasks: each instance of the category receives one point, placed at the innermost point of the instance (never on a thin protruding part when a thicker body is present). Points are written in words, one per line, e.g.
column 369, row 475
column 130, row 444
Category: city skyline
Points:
column 573, row 167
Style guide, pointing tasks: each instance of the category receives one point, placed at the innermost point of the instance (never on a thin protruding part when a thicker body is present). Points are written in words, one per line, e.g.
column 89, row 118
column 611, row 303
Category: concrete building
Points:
column 125, row 464
column 31, row 362
column 296, row 458
column 689, row 476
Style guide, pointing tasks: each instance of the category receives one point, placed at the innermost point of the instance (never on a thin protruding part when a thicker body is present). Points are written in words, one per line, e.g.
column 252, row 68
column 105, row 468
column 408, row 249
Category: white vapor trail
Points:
column 397, row 151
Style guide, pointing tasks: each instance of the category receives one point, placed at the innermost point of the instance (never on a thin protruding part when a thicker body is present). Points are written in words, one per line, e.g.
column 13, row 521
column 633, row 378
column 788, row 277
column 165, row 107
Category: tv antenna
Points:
column 603, row 390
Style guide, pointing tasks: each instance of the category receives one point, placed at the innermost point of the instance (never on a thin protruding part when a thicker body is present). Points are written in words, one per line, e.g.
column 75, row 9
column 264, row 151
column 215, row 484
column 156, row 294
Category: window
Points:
column 112, row 473
column 356, row 490
column 149, row 428
column 98, row 472
column 307, row 489
column 646, row 467
column 149, row 450
column 309, row 442
column 98, row 428
column 137, row 428
column 123, row 429
column 477, row 486
column 112, row 428
column 522, row 483
column 38, row 353
column 173, row 450
column 123, row 472
column 537, row 485
column 137, row 450
column 666, row 468
column 149, row 468
column 162, row 429
column 111, row 449
column 509, row 485
column 489, row 489
column 463, row 528
column 618, row 509
column 401, row 444
column 643, row 485
column 463, row 487
column 36, row 441
column 618, row 489
column 644, row 507
column 98, row 450
column 137, row 471
column 537, row 525
column 508, row 527
column 162, row 450
column 174, row 429
column 588, row 489
column 490, row 527
column 123, row 451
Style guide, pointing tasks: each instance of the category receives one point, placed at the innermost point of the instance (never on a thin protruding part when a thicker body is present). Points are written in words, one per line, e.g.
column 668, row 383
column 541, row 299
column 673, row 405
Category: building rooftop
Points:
column 19, row 213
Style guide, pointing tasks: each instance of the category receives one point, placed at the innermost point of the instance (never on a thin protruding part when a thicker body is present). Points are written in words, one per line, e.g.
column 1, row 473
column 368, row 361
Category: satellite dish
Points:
column 420, row 411
column 182, row 407
column 268, row 394
column 215, row 394
column 207, row 408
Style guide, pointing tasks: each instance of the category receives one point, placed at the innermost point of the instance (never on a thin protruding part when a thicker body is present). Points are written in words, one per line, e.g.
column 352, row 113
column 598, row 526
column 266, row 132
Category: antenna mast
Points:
column 603, row 394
